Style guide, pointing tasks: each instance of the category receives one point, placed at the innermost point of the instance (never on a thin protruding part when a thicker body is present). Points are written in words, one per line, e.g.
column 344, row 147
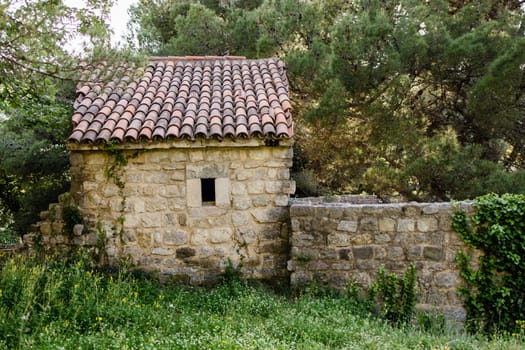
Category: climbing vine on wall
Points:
column 115, row 171
column 494, row 292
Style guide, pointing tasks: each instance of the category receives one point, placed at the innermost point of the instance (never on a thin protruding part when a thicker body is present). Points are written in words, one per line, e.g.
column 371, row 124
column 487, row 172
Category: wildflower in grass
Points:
column 98, row 319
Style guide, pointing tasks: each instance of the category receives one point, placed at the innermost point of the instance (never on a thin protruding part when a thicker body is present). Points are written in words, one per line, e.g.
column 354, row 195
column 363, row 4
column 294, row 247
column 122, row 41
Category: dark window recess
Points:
column 208, row 191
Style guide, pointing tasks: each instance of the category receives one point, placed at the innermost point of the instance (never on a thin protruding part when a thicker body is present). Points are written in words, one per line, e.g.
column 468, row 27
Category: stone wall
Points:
column 335, row 242
column 147, row 205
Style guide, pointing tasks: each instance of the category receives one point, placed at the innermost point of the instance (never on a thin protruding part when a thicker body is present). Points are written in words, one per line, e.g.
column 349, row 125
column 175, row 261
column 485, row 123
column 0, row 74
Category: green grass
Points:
column 68, row 305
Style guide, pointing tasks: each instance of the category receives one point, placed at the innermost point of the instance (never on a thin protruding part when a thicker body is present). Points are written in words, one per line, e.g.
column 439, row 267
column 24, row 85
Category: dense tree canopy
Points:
column 392, row 96
column 420, row 98
column 37, row 77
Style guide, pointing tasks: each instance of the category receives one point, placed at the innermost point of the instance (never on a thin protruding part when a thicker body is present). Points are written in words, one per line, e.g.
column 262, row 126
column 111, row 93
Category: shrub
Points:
column 494, row 292
column 395, row 295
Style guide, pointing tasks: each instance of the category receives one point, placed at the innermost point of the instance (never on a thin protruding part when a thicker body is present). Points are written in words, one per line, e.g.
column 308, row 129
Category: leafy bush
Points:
column 395, row 295
column 495, row 291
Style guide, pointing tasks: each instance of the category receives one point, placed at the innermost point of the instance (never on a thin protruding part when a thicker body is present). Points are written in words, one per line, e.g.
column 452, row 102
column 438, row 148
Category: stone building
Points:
column 185, row 168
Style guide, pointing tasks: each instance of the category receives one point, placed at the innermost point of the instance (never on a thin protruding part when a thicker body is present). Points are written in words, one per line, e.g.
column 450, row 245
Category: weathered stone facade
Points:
column 335, row 243
column 147, row 204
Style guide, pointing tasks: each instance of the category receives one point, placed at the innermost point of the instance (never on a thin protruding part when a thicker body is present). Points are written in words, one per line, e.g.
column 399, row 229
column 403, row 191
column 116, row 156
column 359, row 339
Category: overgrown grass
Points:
column 60, row 304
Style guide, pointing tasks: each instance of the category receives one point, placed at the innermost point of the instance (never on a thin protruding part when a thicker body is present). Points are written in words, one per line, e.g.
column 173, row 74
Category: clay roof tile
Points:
column 186, row 97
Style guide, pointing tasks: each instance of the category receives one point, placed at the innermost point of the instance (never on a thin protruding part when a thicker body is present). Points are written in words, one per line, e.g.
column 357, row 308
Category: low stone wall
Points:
column 333, row 242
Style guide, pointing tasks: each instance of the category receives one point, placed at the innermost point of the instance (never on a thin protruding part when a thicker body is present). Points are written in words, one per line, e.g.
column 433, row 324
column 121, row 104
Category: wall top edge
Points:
column 358, row 201
column 179, row 144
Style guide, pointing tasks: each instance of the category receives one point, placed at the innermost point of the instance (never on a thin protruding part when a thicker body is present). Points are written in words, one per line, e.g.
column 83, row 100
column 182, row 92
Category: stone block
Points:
column 433, row 253
column 162, row 251
column 255, row 187
column 300, row 279
column 150, row 220
column 341, row 265
column 185, row 252
column 406, row 225
column 207, row 212
column 295, row 224
column 427, row 224
column 245, row 235
column 220, row 235
column 270, row 232
column 176, row 237
column 170, row 191
column 430, row 209
column 156, row 178
column 222, row 192
column 95, row 158
column 344, row 254
column 289, row 187
column 447, row 279
column 363, row 252
column 367, row 264
column 270, row 215
column 110, row 190
column 182, row 219
column 281, row 200
column 57, row 227
column 387, row 225
column 338, row 240
column 301, row 210
column 193, row 193
column 368, row 223
column 395, row 253
column 137, row 205
column 240, row 218
column 381, row 238
column 45, row 228
column 347, row 226
column 414, row 252
column 239, row 188
column 362, row 239
column 380, row 252
column 241, row 203
column 328, row 254
column 411, row 210
column 196, row 156
column 78, row 229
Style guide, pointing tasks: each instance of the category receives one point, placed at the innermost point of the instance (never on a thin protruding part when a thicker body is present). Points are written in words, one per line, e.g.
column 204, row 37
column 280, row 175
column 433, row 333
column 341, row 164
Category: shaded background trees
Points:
column 37, row 80
column 423, row 99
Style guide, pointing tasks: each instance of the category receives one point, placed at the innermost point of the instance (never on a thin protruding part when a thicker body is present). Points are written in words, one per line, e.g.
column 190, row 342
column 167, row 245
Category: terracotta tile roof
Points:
column 187, row 98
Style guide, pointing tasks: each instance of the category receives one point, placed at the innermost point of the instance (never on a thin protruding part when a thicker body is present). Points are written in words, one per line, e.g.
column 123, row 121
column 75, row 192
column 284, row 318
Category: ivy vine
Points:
column 116, row 171
column 494, row 291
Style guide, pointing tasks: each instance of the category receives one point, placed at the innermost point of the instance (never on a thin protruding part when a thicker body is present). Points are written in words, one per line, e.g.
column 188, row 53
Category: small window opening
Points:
column 208, row 191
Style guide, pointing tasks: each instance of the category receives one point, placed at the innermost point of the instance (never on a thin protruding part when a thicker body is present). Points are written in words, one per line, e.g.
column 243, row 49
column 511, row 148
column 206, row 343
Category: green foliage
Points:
column 494, row 291
column 66, row 303
column 429, row 93
column 72, row 217
column 33, row 160
column 35, row 35
column 395, row 295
